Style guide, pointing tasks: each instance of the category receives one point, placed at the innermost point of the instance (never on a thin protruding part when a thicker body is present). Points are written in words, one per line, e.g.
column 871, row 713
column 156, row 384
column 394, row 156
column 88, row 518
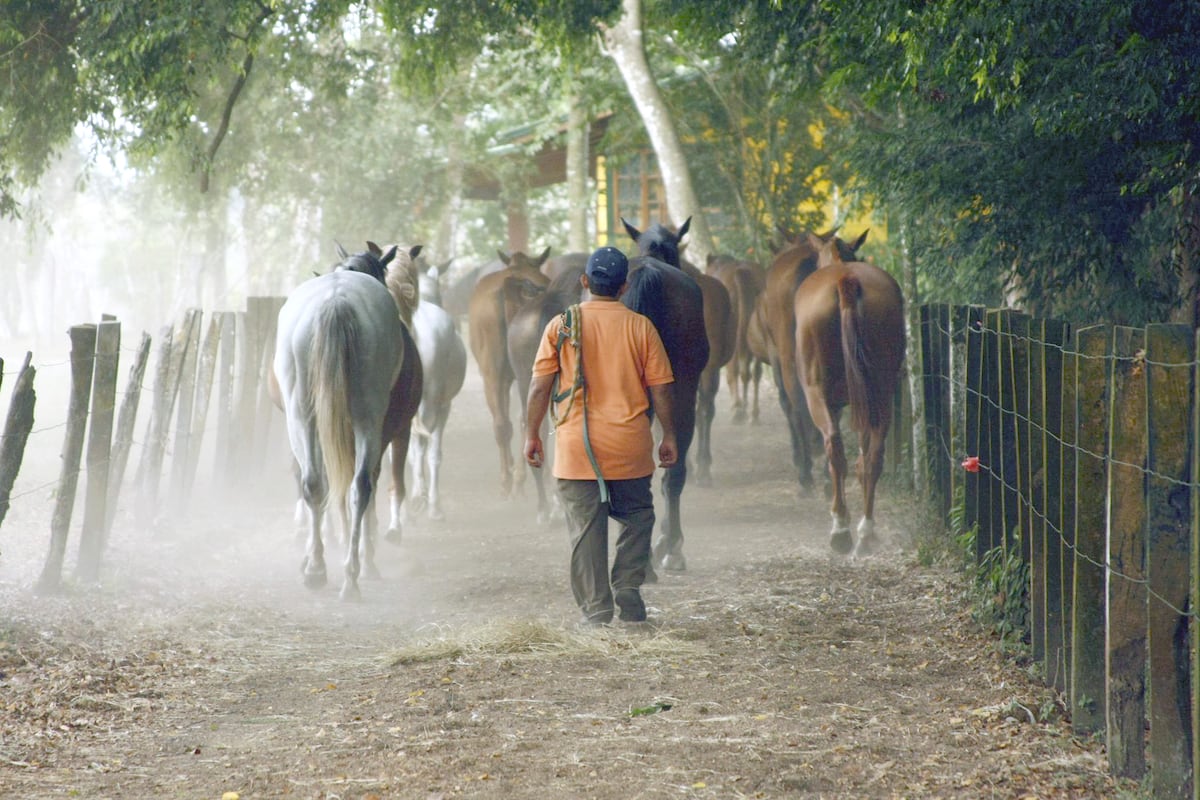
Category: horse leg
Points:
column 800, row 457
column 370, row 529
column 869, row 468
column 502, row 429
column 732, row 380
column 706, row 409
column 755, row 377
column 826, row 421
column 431, row 465
column 668, row 550
column 359, row 500
column 315, row 493
column 419, row 449
column 399, row 451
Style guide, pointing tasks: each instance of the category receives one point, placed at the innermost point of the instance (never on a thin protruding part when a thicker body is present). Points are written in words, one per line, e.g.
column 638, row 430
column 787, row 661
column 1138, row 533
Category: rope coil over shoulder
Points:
column 571, row 330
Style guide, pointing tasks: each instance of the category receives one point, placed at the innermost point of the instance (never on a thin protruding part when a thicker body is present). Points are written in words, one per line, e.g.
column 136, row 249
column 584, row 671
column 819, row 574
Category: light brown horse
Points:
column 794, row 262
column 744, row 280
column 496, row 298
column 849, row 347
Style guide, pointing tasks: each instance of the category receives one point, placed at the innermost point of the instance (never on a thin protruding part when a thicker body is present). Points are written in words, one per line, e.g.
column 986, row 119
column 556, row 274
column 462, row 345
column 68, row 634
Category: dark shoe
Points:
column 629, row 600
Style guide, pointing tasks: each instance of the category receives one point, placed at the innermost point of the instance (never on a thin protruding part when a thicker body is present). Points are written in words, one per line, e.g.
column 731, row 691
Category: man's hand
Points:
column 533, row 451
column 668, row 452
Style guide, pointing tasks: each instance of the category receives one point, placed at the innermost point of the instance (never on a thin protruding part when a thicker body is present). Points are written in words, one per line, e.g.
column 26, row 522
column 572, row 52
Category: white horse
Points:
column 444, row 357
column 338, row 353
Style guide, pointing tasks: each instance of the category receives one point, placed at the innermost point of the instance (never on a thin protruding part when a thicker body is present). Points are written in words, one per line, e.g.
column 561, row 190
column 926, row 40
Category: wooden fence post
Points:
column 1069, row 500
column 1088, row 700
column 224, row 456
column 123, row 438
column 1053, row 382
column 1126, row 573
column 17, row 427
column 150, row 468
column 975, row 418
column 83, row 355
column 205, row 368
column 186, row 402
column 1033, row 518
column 1169, row 358
column 930, row 378
column 991, row 500
column 99, row 450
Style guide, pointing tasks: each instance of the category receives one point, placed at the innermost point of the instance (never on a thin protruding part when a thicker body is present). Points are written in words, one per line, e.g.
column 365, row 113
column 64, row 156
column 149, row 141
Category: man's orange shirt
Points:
column 617, row 374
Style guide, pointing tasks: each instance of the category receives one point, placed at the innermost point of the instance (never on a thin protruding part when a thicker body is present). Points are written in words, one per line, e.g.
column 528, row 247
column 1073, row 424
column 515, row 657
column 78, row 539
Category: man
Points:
column 604, row 454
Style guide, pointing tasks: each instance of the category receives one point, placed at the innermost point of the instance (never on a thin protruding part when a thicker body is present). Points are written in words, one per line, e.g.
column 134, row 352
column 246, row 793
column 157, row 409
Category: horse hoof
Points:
column 866, row 539
column 371, row 573
column 704, row 480
column 651, row 576
column 418, row 503
column 313, row 578
column 841, row 541
column 436, row 514
column 674, row 562
column 350, row 593
column 543, row 518
column 394, row 535
column 739, row 417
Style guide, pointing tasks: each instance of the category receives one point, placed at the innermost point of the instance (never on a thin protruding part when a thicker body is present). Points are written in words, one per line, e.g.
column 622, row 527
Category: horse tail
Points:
column 334, row 348
column 744, row 307
column 864, row 410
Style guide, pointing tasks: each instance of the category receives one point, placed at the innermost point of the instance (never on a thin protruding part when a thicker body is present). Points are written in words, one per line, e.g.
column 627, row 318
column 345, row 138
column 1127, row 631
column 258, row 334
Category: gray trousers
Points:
column 630, row 502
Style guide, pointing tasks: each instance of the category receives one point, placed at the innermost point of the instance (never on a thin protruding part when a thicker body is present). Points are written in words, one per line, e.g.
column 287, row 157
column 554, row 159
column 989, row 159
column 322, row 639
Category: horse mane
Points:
column 404, row 282
column 645, row 293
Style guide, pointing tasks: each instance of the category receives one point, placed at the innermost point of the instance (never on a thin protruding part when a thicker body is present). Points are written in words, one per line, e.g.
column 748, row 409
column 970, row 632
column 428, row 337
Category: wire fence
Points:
column 1076, row 448
column 207, row 393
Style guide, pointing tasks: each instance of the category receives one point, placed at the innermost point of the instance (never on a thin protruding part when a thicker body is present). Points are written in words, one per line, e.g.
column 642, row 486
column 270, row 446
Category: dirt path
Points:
column 771, row 669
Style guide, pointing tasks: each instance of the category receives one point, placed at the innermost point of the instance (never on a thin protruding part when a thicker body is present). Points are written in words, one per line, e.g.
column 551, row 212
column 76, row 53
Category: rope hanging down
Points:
column 571, row 330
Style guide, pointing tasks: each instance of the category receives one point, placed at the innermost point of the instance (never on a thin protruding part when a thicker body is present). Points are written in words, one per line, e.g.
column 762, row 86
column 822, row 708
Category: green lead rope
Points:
column 570, row 331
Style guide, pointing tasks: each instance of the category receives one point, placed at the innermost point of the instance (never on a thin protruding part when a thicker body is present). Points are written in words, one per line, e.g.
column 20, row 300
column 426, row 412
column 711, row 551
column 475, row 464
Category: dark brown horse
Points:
column 849, row 347
column 494, row 301
column 744, row 280
column 794, row 262
column 719, row 330
column 674, row 302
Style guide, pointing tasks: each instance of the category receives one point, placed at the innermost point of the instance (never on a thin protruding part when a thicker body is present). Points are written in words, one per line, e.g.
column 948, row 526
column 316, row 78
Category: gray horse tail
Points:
column 334, row 348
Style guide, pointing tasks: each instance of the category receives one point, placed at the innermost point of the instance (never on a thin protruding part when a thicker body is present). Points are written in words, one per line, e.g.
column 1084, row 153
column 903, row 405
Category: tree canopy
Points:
column 1040, row 153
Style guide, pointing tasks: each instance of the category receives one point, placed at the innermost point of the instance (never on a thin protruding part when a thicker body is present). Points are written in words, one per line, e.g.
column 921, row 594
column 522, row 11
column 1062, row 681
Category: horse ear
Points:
column 687, row 223
column 504, row 257
column 542, row 258
column 387, row 257
column 444, row 266
column 829, row 234
column 341, row 251
column 415, row 251
column 633, row 232
column 374, row 249
column 859, row 241
column 815, row 240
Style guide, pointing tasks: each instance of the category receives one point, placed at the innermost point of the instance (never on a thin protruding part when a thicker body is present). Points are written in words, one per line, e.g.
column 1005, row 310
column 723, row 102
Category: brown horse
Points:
column 494, row 301
column 794, row 262
column 744, row 281
column 674, row 302
column 849, row 347
column 525, row 334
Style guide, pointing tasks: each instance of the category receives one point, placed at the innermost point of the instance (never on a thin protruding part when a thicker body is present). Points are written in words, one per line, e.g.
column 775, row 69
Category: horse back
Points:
column 674, row 302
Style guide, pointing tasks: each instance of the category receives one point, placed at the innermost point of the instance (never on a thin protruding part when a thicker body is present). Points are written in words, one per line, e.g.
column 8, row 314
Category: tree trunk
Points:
column 1187, row 240
column 445, row 243
column 625, row 46
column 912, row 342
column 578, row 203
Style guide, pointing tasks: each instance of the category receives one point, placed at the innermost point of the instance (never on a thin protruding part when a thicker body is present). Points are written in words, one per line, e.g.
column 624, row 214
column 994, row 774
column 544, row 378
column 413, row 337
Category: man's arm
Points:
column 537, row 404
column 668, row 450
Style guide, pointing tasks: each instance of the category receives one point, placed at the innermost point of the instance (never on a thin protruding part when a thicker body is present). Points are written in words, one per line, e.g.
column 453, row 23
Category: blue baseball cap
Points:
column 608, row 267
